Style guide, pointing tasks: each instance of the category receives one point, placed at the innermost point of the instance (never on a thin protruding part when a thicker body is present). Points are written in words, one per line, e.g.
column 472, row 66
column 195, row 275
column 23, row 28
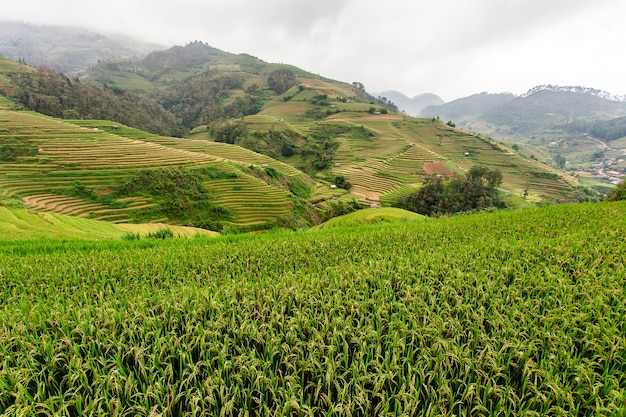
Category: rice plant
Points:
column 499, row 314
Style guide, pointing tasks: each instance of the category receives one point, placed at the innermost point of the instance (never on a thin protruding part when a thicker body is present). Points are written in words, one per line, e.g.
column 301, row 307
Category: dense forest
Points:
column 57, row 95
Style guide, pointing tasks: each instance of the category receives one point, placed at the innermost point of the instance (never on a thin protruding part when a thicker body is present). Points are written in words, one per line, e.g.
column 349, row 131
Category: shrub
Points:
column 162, row 233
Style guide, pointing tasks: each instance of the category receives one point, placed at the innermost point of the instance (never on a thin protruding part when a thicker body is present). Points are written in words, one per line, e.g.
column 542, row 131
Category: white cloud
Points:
column 448, row 47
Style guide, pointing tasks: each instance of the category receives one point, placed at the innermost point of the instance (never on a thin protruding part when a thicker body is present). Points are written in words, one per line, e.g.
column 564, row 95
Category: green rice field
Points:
column 518, row 313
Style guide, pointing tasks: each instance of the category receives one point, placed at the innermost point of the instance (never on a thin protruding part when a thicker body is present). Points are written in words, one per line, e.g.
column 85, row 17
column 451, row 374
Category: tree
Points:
column 281, row 80
column 560, row 161
column 359, row 86
column 477, row 190
column 342, row 182
column 228, row 132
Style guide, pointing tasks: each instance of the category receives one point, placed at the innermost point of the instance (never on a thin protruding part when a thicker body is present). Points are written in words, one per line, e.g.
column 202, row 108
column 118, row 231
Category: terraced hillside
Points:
column 403, row 150
column 55, row 156
column 19, row 223
column 325, row 128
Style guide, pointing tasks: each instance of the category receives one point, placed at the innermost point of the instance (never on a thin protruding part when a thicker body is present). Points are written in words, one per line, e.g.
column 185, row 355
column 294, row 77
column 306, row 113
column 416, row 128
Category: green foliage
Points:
column 131, row 236
column 619, row 192
column 162, row 233
column 387, row 104
column 560, row 161
column 315, row 113
column 80, row 190
column 544, row 174
column 281, row 80
column 200, row 99
column 272, row 176
column 342, row 182
column 180, row 195
column 228, row 132
column 476, row 191
column 11, row 202
column 273, row 143
column 340, row 208
column 508, row 313
column 12, row 149
column 56, row 95
column 607, row 130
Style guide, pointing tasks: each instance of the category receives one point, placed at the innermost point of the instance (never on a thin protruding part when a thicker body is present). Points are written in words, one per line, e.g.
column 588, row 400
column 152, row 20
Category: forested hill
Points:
column 57, row 95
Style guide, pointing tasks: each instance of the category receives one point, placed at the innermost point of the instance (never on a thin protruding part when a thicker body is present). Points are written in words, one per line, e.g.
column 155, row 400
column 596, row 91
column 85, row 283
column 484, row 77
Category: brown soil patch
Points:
column 438, row 167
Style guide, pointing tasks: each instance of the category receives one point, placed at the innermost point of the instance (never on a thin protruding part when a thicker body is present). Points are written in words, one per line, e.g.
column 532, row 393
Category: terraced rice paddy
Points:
column 499, row 314
column 88, row 152
column 18, row 223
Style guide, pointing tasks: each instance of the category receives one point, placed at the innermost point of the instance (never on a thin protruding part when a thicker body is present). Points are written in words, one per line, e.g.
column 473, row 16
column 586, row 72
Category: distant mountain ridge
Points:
column 576, row 89
column 412, row 106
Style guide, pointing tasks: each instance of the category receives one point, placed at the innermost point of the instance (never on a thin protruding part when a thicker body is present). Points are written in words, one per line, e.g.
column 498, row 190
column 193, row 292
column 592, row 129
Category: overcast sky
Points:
column 452, row 48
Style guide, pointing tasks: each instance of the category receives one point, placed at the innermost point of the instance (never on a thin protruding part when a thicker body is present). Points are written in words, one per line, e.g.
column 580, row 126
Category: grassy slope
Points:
column 18, row 224
column 372, row 216
column 510, row 313
column 397, row 156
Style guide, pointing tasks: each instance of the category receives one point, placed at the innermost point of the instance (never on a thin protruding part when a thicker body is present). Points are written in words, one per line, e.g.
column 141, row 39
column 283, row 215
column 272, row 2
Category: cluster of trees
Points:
column 321, row 147
column 273, row 143
column 386, row 103
column 342, row 182
column 476, row 190
column 172, row 111
column 11, row 149
column 227, row 132
column 199, row 100
column 607, row 130
column 281, row 80
column 56, row 95
column 339, row 208
column 180, row 195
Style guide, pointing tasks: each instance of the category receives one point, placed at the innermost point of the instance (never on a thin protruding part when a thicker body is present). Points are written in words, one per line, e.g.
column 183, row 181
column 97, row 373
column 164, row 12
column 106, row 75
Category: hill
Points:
column 81, row 169
column 65, row 49
column 466, row 109
column 569, row 127
column 412, row 106
column 424, row 318
column 308, row 139
column 44, row 91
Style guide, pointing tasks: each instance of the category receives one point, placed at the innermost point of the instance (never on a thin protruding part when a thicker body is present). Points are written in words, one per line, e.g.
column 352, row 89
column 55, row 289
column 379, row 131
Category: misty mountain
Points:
column 547, row 109
column 467, row 108
column 411, row 106
column 541, row 108
column 65, row 49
